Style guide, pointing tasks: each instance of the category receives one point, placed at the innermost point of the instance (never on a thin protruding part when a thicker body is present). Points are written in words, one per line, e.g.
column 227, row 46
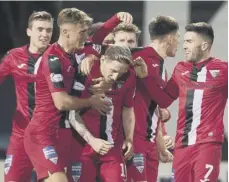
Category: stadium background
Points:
column 13, row 20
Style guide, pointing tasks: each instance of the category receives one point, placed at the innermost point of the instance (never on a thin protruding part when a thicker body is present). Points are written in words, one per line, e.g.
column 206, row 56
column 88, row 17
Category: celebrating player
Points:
column 114, row 68
column 164, row 41
column 22, row 64
column 54, row 81
column 201, row 84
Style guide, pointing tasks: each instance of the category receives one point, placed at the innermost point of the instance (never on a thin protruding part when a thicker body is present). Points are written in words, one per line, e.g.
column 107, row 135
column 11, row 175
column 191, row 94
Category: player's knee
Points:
column 57, row 177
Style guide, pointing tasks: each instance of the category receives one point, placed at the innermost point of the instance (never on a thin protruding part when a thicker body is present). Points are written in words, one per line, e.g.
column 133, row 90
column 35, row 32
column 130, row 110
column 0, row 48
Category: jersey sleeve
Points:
column 52, row 70
column 154, row 85
column 104, row 30
column 130, row 93
column 172, row 86
column 5, row 66
column 96, row 49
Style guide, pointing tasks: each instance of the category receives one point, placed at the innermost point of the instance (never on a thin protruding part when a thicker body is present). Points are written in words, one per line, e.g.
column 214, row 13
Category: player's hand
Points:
column 128, row 149
column 164, row 114
column 99, row 86
column 140, row 67
column 100, row 146
column 99, row 103
column 125, row 17
column 166, row 156
column 169, row 142
column 87, row 63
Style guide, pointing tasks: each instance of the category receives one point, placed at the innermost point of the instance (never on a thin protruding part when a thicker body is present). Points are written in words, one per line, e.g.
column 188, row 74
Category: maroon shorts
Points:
column 197, row 163
column 18, row 166
column 48, row 152
column 144, row 164
column 87, row 164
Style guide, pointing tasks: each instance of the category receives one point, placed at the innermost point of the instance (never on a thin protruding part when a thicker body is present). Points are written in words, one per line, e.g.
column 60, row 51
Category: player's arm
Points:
column 109, row 25
column 128, row 117
column 5, row 66
column 52, row 70
column 164, row 154
column 99, row 145
column 163, row 97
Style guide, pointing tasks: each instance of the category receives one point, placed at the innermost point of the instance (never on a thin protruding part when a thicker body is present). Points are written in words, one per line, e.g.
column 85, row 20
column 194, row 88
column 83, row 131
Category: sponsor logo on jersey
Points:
column 53, row 58
column 56, row 77
column 50, row 154
column 78, row 86
column 21, row 65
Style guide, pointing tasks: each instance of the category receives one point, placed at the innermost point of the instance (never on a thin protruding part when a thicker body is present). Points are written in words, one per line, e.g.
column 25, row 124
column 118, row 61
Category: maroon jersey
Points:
column 149, row 93
column 202, row 89
column 107, row 127
column 22, row 66
column 55, row 74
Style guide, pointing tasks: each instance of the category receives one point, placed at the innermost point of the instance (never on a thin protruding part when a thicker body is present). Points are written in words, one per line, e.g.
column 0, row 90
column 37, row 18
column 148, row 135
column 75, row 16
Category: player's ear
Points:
column 204, row 46
column 65, row 32
column 29, row 32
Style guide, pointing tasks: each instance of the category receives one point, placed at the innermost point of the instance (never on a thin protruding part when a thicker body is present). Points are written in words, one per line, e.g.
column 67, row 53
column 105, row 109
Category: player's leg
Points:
column 152, row 163
column 136, row 167
column 65, row 148
column 113, row 167
column 182, row 165
column 18, row 166
column 48, row 164
column 75, row 168
column 85, row 169
column 207, row 162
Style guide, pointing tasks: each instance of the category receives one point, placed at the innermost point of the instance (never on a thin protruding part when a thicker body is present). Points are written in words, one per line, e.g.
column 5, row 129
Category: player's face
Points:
column 111, row 69
column 192, row 46
column 40, row 33
column 125, row 39
column 173, row 43
column 77, row 34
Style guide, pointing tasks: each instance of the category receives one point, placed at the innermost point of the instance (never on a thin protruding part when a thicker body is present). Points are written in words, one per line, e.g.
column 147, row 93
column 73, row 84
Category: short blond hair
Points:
column 39, row 15
column 73, row 16
column 118, row 53
column 127, row 28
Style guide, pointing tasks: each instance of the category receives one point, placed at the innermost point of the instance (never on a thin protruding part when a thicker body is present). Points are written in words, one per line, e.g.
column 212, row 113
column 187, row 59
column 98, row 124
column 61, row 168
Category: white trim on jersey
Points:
column 109, row 122
column 36, row 66
column 154, row 125
column 197, row 103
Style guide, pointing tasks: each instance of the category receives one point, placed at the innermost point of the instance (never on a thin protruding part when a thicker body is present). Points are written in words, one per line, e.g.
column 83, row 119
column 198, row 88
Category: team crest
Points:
column 138, row 162
column 214, row 73
column 76, row 171
column 50, row 154
column 8, row 163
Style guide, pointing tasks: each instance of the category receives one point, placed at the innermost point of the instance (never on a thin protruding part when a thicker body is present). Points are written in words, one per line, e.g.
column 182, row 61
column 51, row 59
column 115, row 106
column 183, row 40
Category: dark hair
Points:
column 202, row 28
column 74, row 16
column 162, row 25
column 127, row 28
column 39, row 15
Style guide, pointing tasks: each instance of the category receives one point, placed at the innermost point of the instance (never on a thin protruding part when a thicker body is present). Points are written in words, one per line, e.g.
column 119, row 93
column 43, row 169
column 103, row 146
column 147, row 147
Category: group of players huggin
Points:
column 92, row 106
